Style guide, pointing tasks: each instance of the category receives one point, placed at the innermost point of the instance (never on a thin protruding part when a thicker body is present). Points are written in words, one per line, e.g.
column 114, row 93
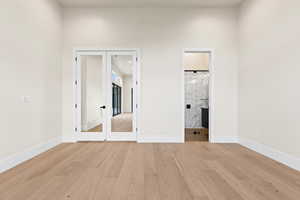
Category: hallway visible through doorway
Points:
column 120, row 123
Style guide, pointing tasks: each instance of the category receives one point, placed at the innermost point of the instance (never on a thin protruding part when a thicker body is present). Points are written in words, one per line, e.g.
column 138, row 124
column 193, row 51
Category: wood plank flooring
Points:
column 131, row 171
column 119, row 123
column 122, row 122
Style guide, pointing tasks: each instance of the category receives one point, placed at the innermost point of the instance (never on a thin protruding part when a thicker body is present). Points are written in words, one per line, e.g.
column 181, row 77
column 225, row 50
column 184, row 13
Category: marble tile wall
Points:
column 196, row 94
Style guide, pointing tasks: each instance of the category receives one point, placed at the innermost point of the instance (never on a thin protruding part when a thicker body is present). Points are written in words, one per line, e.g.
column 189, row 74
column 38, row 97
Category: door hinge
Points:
column 76, row 59
column 136, row 105
column 136, row 59
column 75, row 105
column 136, row 82
column 76, row 82
column 136, row 129
column 75, row 129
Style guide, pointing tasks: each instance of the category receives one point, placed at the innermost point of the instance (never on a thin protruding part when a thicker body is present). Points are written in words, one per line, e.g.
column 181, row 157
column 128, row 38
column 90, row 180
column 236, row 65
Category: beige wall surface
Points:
column 126, row 93
column 30, row 60
column 161, row 34
column 269, row 74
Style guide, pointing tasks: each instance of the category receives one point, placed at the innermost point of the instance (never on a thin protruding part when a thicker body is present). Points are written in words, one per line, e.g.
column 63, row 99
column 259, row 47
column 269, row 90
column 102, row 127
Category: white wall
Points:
column 92, row 94
column 118, row 73
column 30, row 63
column 126, row 93
column 161, row 34
column 269, row 74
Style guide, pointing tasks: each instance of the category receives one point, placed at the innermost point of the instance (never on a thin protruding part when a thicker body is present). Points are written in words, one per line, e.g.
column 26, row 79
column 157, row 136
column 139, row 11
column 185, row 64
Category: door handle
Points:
column 103, row 107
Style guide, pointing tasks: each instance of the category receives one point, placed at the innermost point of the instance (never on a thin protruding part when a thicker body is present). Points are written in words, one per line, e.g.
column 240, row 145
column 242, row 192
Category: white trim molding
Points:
column 173, row 140
column 224, row 140
column 70, row 139
column 284, row 158
column 20, row 157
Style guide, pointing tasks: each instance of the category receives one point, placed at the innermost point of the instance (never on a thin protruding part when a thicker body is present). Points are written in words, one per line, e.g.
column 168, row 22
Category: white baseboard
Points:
column 159, row 140
column 69, row 139
column 179, row 140
column 17, row 158
column 224, row 140
column 284, row 158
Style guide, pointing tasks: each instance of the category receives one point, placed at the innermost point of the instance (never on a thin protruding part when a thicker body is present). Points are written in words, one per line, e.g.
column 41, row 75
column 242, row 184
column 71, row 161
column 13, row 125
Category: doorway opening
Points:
column 106, row 95
column 197, row 90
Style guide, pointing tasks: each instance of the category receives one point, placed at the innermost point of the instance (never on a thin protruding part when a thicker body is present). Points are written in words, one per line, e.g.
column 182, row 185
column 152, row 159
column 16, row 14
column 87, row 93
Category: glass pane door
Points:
column 92, row 96
column 121, row 69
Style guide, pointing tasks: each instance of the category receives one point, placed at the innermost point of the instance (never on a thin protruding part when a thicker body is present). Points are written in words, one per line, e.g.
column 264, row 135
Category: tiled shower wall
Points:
column 196, row 94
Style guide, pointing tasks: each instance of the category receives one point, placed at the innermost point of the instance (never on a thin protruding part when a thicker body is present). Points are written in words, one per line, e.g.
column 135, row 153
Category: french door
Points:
column 106, row 95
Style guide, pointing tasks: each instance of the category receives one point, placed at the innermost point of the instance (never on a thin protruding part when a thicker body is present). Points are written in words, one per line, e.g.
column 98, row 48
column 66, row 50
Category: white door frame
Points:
column 77, row 93
column 211, row 90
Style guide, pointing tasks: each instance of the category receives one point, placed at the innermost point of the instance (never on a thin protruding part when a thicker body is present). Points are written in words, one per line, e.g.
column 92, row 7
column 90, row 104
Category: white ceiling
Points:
column 122, row 64
column 141, row 3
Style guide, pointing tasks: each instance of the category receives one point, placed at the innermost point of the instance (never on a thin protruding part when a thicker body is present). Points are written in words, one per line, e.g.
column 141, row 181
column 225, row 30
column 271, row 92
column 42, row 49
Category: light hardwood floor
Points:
column 122, row 123
column 119, row 123
column 131, row 171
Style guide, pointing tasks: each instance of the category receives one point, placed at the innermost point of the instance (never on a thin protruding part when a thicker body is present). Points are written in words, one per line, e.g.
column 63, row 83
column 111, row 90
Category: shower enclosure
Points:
column 196, row 97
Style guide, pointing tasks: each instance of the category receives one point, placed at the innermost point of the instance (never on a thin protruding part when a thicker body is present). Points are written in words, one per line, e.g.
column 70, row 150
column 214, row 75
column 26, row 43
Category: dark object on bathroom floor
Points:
column 201, row 134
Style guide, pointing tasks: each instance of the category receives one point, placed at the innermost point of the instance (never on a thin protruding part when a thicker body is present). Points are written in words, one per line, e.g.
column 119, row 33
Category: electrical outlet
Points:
column 26, row 99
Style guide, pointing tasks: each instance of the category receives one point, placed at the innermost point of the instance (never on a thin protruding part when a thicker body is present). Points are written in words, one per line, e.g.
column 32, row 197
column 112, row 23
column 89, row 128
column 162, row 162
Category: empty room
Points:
column 150, row 100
